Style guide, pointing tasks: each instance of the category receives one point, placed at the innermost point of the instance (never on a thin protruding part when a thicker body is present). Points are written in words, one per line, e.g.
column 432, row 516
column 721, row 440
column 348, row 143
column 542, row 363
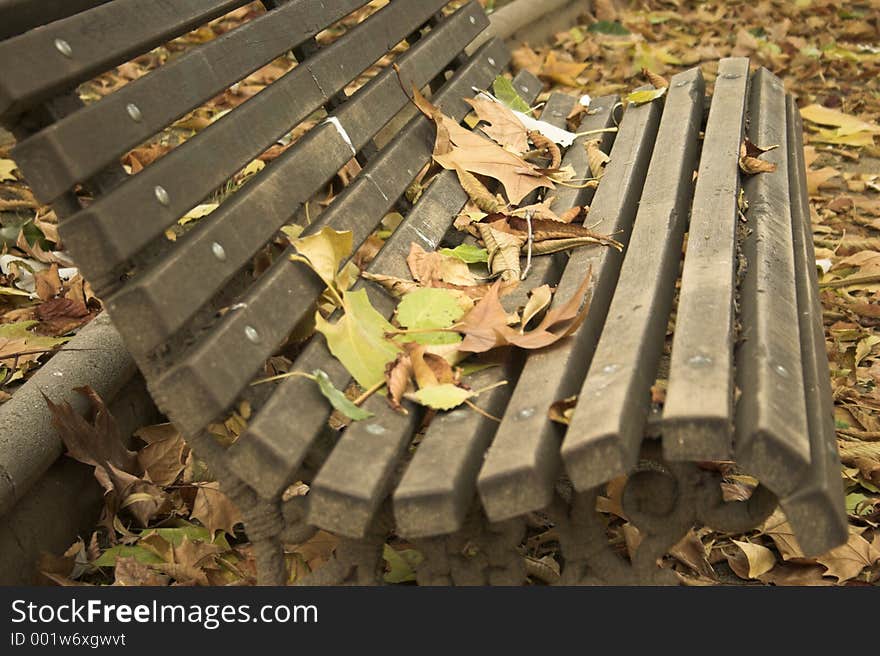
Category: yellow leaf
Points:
column 324, row 251
column 831, row 117
column 561, row 72
column 645, row 96
column 755, row 560
column 7, row 166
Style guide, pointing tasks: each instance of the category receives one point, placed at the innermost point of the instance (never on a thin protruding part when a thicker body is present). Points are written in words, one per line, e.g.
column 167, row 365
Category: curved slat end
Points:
column 509, row 494
column 426, row 514
column 260, row 465
column 775, row 462
column 697, row 438
column 596, row 460
column 338, row 512
column 816, row 515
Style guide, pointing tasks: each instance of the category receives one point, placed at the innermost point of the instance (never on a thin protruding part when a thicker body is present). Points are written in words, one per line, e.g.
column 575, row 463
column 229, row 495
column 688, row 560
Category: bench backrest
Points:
column 166, row 297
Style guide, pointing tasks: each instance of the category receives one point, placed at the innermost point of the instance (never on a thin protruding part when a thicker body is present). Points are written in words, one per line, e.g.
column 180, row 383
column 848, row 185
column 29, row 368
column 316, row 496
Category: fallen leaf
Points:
column 503, row 89
column 467, row 253
column 214, row 509
column 427, row 308
column 560, row 71
column 432, row 267
column 645, row 96
column 323, row 252
column 441, row 397
column 502, row 124
column 504, row 251
column 358, row 340
column 751, row 561
column 539, row 299
column 337, row 399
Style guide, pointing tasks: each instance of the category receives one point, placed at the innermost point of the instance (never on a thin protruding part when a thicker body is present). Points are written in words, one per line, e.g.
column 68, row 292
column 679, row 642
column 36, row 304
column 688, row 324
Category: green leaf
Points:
column 358, row 339
column 337, row 399
column 467, row 253
column 609, row 27
column 441, row 397
column 428, row 308
column 401, row 564
column 15, row 337
column 504, row 91
column 645, row 96
column 189, row 531
column 324, row 252
column 140, row 554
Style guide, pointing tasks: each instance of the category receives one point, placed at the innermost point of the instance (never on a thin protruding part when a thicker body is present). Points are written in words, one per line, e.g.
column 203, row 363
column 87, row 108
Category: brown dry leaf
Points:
column 657, row 81
column 478, row 193
column 214, row 509
column 792, row 574
column 847, row 561
column 48, row 283
column 164, row 457
column 504, row 251
column 691, row 552
column 526, row 59
column 751, row 561
column 131, row 572
column 597, row 159
column 748, row 159
column 560, row 71
column 780, row 531
column 503, row 125
column 432, row 267
column 539, row 299
column 456, row 147
column 561, row 411
column 397, row 379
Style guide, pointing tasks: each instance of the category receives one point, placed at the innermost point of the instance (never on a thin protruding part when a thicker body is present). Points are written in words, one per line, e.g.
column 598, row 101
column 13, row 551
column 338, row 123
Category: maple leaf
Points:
column 561, row 72
column 503, row 125
column 848, row 560
column 214, row 509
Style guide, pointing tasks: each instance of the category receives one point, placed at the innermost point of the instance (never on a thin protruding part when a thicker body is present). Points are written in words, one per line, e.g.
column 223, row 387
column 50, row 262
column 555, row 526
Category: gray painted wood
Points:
column 17, row 16
column 205, row 382
column 772, row 432
column 698, row 412
column 67, row 152
column 607, row 426
column 40, row 64
column 523, row 463
column 814, row 510
column 157, row 303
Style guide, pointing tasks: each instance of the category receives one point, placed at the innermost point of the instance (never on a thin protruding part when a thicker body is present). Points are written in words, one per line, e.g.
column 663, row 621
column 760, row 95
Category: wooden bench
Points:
column 747, row 373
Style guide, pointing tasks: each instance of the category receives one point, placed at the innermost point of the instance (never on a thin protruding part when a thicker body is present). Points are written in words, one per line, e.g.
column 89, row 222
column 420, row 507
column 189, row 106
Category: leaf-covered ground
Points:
column 165, row 521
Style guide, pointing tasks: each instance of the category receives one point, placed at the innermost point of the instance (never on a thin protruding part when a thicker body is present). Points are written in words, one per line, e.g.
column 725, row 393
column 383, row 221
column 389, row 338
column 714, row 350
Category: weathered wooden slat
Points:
column 345, row 503
column 772, row 433
column 119, row 224
column 439, row 486
column 269, row 455
column 698, row 412
column 43, row 63
column 67, row 152
column 523, row 463
column 17, row 16
column 178, row 285
column 206, row 381
column 607, row 427
column 815, row 511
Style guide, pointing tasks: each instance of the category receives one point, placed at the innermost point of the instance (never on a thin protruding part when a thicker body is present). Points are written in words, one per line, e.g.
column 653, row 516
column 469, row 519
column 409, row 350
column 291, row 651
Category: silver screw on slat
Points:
column 491, row 62
column 473, row 21
column 251, row 333
column 134, row 112
column 162, row 195
column 218, row 251
column 63, row 47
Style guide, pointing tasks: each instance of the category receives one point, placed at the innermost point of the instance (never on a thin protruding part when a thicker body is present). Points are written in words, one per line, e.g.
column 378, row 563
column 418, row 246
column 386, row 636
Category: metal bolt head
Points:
column 473, row 21
column 218, row 251
column 162, row 195
column 491, row 61
column 134, row 112
column 251, row 333
column 63, row 47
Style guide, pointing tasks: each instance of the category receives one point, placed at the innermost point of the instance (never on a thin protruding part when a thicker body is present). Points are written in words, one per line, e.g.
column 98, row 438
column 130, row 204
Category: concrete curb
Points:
column 29, row 444
column 531, row 21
